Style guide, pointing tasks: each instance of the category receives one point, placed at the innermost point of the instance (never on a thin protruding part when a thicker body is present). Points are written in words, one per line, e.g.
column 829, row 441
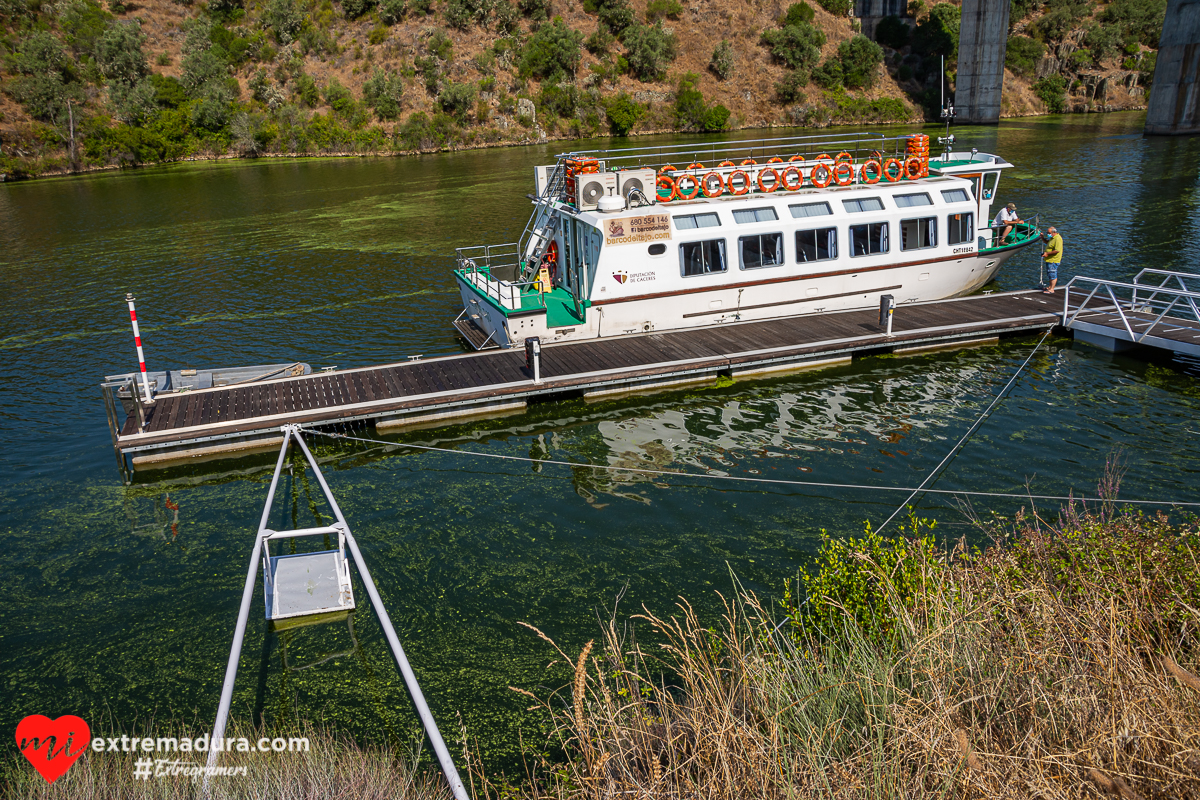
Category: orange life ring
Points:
column 665, row 169
column 887, row 170
column 685, row 194
column 707, row 181
column 843, row 169
column 796, row 157
column 787, row 184
column 774, row 185
column 550, row 260
column 726, row 163
column 745, row 182
column 695, row 165
column 827, row 156
column 909, row 171
column 874, row 165
column 666, row 182
column 844, row 157
column 821, row 175
column 774, row 160
column 746, row 162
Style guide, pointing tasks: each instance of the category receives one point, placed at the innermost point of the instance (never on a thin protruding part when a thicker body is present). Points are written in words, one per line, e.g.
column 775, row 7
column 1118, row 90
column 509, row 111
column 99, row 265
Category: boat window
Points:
column 910, row 200
column 863, row 204
column 755, row 215
column 916, row 234
column 960, row 228
column 702, row 258
column 989, row 184
column 687, row 222
column 658, row 249
column 810, row 210
column 761, row 251
column 819, row 244
column 869, row 239
column 955, row 196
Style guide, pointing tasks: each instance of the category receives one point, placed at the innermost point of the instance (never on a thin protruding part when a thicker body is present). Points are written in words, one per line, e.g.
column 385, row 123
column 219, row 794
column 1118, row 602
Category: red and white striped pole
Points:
column 137, row 338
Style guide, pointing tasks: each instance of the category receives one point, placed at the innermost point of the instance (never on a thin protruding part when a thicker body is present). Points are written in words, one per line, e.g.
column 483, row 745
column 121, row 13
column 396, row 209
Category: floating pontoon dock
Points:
column 1157, row 308
column 424, row 392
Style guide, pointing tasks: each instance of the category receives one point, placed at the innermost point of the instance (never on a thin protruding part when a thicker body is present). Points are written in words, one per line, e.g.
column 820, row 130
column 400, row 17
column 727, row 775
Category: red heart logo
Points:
column 52, row 745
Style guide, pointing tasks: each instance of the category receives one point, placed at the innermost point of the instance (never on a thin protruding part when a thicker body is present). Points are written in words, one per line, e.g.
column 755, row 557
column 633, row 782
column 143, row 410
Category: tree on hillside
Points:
column 49, row 80
column 860, row 59
column 649, row 50
column 552, row 52
column 797, row 45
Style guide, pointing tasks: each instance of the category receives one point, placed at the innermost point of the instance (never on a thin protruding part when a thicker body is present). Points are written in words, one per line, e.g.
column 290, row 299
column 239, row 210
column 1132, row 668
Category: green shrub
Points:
column 1139, row 20
column 461, row 14
column 623, row 113
column 797, row 14
column 657, row 9
column 1103, row 40
column 440, row 45
column 829, row 74
column 1022, row 54
column 1149, row 61
column 456, row 99
column 798, row 46
column 421, row 8
column 616, row 14
column 284, row 20
column 392, row 11
column 1081, row 59
column 867, row 581
column 789, row 89
column 937, row 35
column 506, row 17
column 119, row 52
column 562, row 100
column 430, row 72
column 839, row 7
column 599, row 42
column 353, row 9
column 692, row 112
column 1060, row 17
column 722, row 62
column 168, row 91
column 892, row 32
column 307, row 92
column 649, row 50
column 552, row 52
column 1052, row 90
column 419, row 132
column 378, row 34
column 860, row 59
column 536, row 10
column 383, row 92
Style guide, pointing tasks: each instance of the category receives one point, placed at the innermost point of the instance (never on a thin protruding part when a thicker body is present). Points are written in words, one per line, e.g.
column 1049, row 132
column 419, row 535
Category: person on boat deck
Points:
column 1005, row 219
column 1053, row 257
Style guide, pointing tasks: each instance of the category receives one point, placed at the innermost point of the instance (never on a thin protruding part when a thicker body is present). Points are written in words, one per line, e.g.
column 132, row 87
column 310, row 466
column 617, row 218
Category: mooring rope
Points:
column 975, row 426
column 744, row 479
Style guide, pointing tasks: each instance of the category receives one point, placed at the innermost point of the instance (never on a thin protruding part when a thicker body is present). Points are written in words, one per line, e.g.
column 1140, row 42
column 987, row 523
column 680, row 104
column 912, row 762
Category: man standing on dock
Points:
column 1052, row 257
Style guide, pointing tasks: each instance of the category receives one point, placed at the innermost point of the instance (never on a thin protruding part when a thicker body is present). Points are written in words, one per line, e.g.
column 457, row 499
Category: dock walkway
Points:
column 426, row 391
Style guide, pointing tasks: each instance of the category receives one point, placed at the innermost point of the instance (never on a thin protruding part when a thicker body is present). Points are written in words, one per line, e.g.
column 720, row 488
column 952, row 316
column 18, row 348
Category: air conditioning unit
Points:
column 640, row 179
column 590, row 187
column 541, row 177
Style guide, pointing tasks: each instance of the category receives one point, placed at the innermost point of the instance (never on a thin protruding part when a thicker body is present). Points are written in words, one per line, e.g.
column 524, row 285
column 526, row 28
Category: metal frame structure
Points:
column 1153, row 302
column 342, row 528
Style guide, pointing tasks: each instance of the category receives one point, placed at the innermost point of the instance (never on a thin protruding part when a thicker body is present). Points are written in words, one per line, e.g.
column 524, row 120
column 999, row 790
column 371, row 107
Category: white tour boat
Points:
column 626, row 242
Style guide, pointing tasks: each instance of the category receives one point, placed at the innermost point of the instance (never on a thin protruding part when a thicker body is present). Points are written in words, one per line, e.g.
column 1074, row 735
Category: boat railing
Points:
column 1022, row 232
column 482, row 265
column 1138, row 305
column 856, row 144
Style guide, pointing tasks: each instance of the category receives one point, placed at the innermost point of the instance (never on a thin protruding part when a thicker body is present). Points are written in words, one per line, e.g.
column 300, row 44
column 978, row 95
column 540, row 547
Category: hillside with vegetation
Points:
column 89, row 84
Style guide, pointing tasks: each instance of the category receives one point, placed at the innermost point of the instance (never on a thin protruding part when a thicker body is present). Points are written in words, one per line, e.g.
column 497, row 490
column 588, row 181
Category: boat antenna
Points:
column 947, row 114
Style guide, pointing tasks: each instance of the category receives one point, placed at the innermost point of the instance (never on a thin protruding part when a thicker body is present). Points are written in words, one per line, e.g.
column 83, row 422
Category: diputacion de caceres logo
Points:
column 53, row 746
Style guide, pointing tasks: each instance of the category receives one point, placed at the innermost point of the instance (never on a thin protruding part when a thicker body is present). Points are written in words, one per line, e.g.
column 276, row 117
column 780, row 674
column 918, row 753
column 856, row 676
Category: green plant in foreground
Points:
column 867, row 580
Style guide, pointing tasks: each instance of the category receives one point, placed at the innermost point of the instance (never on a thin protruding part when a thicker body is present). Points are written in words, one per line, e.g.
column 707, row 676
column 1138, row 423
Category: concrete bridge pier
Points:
column 1174, row 106
column 982, row 36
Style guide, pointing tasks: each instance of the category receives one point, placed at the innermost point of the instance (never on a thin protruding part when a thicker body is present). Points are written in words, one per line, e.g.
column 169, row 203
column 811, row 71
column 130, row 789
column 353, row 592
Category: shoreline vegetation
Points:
column 1060, row 661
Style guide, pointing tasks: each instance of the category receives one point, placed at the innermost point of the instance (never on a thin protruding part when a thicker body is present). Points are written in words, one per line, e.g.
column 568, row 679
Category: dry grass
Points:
column 335, row 767
column 1059, row 664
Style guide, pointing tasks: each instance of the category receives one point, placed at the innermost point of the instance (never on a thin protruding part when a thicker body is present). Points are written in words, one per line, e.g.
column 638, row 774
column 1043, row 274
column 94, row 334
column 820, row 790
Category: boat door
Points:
column 574, row 274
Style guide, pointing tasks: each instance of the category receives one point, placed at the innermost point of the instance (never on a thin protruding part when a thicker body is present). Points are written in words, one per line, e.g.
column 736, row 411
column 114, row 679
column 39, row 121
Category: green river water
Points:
column 119, row 602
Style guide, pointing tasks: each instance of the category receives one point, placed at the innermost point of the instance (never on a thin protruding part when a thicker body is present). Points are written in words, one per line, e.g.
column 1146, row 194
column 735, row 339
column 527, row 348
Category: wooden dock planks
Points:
column 494, row 375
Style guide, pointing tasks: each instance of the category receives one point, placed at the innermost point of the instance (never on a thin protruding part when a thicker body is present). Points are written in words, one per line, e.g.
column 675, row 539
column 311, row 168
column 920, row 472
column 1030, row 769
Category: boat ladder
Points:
column 311, row 586
column 540, row 229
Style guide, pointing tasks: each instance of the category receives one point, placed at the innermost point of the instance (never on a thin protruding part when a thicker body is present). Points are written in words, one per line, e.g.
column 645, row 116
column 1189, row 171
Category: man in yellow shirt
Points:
column 1052, row 257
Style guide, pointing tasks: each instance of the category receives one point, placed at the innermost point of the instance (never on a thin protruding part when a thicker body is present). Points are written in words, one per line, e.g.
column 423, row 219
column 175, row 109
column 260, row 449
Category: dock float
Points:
column 1157, row 309
column 424, row 392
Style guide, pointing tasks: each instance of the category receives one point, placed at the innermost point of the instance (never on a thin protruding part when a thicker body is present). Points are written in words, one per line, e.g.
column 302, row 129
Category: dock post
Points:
column 533, row 357
column 137, row 339
column 887, row 305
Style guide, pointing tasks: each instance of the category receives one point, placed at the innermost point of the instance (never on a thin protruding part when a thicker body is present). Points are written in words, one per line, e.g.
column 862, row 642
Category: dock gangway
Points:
column 317, row 584
column 1156, row 308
